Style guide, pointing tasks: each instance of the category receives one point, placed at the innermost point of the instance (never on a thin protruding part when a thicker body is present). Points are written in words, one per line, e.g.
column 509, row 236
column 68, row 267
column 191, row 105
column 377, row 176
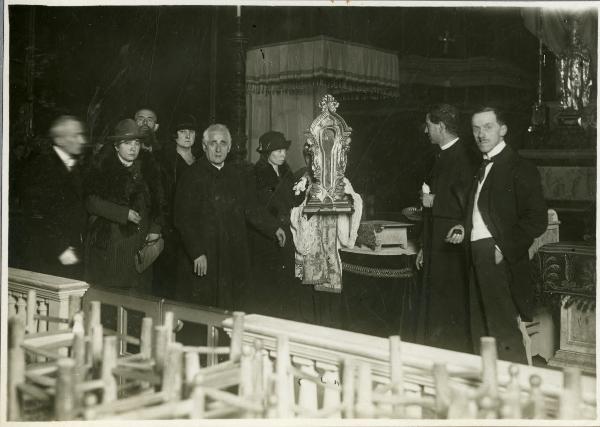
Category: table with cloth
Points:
column 380, row 291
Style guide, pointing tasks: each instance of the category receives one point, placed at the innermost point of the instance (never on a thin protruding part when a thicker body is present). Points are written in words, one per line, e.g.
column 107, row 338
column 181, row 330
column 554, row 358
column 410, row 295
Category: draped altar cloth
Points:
column 318, row 240
column 286, row 81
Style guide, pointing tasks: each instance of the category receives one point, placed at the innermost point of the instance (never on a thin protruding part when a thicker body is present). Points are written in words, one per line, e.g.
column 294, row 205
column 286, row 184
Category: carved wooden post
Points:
column 16, row 363
column 364, row 404
column 96, row 347
column 74, row 305
column 284, row 399
column 443, row 392
column 168, row 323
column 396, row 374
column 192, row 367
column 94, row 315
column 348, row 388
column 537, row 403
column 22, row 309
column 198, row 397
column 331, row 395
column 238, row 133
column 109, row 362
column 31, row 325
column 12, row 305
column 570, row 399
column 65, row 397
column 146, row 338
column 512, row 400
column 159, row 348
column 246, row 387
column 307, row 389
column 237, row 335
column 78, row 352
column 172, row 372
column 489, row 358
column 43, row 311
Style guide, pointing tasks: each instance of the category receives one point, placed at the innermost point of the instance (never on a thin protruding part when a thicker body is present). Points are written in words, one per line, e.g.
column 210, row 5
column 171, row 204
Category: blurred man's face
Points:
column 146, row 121
column 216, row 148
column 70, row 137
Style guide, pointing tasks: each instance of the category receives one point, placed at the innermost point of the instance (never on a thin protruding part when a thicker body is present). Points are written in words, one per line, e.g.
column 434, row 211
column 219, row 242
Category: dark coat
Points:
column 275, row 290
column 172, row 168
column 55, row 215
column 112, row 189
column 512, row 206
column 165, row 269
column 212, row 208
column 445, row 299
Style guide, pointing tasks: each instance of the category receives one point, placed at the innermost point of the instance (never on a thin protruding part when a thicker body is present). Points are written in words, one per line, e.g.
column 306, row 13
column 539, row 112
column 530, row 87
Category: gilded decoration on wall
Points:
column 327, row 145
column 575, row 79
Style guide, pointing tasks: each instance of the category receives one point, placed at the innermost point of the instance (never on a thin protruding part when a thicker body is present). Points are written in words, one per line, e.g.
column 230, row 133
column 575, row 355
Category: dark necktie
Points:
column 481, row 172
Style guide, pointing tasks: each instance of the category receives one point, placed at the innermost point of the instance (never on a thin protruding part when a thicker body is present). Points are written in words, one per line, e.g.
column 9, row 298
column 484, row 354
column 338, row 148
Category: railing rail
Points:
column 52, row 295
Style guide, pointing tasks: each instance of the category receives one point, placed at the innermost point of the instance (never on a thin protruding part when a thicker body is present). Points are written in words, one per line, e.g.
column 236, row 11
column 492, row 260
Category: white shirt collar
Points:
column 66, row 158
column 495, row 151
column 449, row 144
column 220, row 166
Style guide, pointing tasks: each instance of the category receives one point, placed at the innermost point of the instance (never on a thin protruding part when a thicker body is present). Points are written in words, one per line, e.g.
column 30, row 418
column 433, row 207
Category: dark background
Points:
column 103, row 63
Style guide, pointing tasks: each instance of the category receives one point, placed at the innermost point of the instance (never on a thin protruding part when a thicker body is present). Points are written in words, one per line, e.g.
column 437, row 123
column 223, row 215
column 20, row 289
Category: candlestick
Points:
column 239, row 11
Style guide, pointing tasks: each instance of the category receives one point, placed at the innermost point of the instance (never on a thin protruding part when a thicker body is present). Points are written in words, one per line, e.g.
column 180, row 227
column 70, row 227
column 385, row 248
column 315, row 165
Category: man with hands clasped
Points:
column 444, row 305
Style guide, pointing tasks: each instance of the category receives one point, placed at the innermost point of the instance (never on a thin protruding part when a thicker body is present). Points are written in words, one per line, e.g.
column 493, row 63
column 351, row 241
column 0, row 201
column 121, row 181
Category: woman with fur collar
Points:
column 125, row 202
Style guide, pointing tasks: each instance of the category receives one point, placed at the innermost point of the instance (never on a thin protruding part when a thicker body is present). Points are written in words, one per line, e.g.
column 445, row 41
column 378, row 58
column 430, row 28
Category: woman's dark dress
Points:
column 275, row 290
column 166, row 271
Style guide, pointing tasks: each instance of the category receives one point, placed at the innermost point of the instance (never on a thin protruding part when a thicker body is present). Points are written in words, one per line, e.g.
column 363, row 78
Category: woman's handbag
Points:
column 148, row 254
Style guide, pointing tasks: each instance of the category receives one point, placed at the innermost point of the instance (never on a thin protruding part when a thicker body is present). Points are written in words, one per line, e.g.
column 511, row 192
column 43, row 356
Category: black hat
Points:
column 272, row 141
column 126, row 130
column 186, row 122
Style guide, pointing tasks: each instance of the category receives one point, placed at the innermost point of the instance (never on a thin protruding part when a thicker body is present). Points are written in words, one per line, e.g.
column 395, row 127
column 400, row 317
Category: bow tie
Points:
column 481, row 172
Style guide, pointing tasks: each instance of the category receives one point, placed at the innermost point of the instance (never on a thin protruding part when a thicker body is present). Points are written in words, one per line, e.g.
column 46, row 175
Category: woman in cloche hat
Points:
column 276, row 291
column 123, row 201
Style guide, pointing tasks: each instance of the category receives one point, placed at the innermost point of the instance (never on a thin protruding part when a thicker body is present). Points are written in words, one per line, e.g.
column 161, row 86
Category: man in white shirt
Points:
column 506, row 212
column 53, row 204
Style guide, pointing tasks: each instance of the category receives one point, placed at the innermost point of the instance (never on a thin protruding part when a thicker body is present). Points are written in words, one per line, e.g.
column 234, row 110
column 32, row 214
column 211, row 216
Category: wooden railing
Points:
column 321, row 351
column 52, row 296
column 124, row 304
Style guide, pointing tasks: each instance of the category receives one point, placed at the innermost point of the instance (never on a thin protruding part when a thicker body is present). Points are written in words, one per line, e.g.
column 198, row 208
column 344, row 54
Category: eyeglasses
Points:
column 147, row 120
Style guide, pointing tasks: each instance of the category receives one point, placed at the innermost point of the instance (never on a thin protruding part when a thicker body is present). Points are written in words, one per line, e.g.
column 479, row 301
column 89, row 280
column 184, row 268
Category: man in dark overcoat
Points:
column 53, row 204
column 444, row 308
column 506, row 213
column 213, row 203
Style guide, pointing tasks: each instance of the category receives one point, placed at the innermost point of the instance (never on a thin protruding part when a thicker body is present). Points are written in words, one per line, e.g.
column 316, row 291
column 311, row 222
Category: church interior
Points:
column 369, row 76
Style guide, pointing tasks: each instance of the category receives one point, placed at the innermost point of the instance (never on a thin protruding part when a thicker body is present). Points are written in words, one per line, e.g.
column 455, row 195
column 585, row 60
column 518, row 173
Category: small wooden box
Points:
column 377, row 234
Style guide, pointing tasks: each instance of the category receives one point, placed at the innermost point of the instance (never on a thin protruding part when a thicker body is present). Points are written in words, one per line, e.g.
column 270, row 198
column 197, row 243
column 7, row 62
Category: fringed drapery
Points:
column 298, row 66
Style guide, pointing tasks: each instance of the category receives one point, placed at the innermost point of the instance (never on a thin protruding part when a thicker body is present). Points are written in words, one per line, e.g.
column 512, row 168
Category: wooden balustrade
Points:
column 316, row 346
column 52, row 297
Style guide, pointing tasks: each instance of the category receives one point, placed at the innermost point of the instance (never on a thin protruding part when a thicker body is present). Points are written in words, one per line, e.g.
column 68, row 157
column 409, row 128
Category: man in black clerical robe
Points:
column 444, row 304
column 214, row 201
